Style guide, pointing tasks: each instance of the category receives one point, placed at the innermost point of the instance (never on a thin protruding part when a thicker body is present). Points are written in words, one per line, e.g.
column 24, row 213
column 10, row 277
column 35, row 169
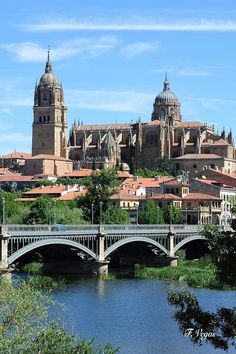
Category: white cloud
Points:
column 134, row 49
column 140, row 24
column 33, row 52
column 120, row 101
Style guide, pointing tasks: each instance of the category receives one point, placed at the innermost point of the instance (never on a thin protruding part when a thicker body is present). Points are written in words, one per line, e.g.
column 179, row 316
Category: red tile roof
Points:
column 154, row 122
column 124, row 174
column 193, row 124
column 18, row 178
column 219, row 142
column 104, row 126
column 125, row 196
column 49, row 157
column 165, row 196
column 198, row 157
column 17, row 155
column 200, row 196
column 79, row 173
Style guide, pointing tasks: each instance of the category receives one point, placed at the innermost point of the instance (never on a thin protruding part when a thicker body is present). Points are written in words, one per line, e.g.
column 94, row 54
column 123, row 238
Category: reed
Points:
column 198, row 273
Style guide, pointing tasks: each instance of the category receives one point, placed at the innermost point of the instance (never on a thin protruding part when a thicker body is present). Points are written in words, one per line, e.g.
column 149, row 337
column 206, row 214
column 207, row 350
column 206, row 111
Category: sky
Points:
column 112, row 57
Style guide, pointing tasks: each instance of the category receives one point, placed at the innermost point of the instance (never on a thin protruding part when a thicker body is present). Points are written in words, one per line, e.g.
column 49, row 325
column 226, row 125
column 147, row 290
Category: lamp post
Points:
column 3, row 210
column 100, row 204
column 49, row 212
column 53, row 214
column 92, row 206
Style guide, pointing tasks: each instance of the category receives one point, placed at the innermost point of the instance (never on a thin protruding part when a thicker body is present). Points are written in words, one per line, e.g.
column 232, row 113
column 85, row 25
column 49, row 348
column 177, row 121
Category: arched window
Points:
column 40, row 119
column 44, row 119
column 48, row 119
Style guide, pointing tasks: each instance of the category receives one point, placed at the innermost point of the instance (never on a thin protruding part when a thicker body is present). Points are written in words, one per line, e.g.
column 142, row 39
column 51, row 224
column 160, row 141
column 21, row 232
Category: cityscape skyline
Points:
column 112, row 61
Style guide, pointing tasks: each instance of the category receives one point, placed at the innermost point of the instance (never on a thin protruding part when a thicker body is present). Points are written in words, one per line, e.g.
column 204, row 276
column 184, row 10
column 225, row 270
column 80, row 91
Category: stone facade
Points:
column 50, row 123
column 139, row 144
column 48, row 164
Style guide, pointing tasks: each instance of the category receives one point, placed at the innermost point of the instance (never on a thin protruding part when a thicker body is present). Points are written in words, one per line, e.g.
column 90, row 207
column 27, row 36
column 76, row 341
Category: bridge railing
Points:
column 13, row 229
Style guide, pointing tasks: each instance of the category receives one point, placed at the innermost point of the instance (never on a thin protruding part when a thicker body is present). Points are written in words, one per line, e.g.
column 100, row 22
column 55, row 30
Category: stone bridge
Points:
column 94, row 241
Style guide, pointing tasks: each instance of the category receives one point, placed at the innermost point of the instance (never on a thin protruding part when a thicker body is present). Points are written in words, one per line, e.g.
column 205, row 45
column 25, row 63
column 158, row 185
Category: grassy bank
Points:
column 198, row 273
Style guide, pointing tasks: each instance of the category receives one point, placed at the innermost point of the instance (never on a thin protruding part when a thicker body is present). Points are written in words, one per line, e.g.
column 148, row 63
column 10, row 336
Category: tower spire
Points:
column 48, row 67
column 166, row 84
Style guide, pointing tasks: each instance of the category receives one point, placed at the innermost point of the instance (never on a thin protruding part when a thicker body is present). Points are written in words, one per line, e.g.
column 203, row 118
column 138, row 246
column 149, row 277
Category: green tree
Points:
column 172, row 215
column 115, row 215
column 12, row 208
column 190, row 315
column 194, row 320
column 146, row 173
column 223, row 254
column 165, row 165
column 24, row 326
column 151, row 214
column 101, row 185
column 64, row 214
column 42, row 210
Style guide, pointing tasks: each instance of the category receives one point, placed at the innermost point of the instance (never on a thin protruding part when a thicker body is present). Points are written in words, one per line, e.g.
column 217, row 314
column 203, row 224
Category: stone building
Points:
column 191, row 145
column 50, row 123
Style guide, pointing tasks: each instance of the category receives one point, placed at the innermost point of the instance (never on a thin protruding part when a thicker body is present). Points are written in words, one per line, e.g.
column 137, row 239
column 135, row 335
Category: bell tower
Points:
column 50, row 122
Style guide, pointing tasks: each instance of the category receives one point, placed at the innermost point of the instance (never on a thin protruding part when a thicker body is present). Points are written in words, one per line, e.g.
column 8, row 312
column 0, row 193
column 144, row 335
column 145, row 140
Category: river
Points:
column 133, row 313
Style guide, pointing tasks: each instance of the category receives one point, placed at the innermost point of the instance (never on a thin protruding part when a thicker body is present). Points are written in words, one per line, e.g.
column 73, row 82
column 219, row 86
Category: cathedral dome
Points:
column 49, row 79
column 166, row 96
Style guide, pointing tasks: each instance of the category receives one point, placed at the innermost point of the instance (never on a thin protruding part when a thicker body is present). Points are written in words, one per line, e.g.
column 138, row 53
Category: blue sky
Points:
column 112, row 56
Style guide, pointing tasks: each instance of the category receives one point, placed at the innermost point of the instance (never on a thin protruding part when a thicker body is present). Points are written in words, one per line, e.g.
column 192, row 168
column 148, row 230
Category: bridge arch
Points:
column 46, row 242
column 187, row 240
column 124, row 241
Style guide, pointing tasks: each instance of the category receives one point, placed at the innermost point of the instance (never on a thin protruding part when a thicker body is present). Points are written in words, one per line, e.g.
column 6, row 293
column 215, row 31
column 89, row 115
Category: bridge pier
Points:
column 102, row 263
column 3, row 249
column 102, row 267
column 173, row 258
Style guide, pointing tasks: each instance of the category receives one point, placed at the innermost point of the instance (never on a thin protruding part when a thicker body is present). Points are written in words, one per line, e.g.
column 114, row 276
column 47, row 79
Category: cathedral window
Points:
column 40, row 119
column 44, row 119
column 48, row 119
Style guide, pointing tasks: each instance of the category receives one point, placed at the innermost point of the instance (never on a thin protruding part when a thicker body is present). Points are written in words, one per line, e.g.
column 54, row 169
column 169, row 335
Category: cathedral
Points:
column 191, row 145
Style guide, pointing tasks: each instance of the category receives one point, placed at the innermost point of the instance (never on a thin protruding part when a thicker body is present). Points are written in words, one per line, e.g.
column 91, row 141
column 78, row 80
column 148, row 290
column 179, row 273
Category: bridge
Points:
column 94, row 241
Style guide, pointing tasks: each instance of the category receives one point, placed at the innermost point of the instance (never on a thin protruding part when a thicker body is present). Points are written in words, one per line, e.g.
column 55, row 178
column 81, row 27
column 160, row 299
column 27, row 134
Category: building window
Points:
column 40, row 119
column 194, row 165
column 48, row 119
column 44, row 119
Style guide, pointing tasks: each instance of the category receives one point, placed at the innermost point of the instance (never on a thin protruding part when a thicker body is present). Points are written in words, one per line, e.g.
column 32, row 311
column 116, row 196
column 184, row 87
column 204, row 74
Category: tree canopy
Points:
column 151, row 214
column 101, row 185
column 220, row 325
column 172, row 215
column 25, row 329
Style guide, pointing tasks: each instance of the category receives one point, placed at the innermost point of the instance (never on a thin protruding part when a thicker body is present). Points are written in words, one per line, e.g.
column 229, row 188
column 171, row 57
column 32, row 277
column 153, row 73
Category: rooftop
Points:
column 198, row 157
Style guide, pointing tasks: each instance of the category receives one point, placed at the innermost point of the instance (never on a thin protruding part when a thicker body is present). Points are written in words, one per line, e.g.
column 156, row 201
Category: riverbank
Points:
column 198, row 273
